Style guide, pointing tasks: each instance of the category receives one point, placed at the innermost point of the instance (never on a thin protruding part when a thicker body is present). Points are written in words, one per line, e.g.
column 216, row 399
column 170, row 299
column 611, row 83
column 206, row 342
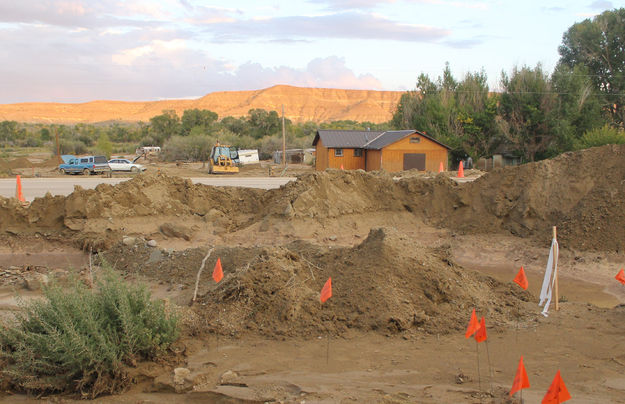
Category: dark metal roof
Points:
column 350, row 139
column 371, row 140
column 387, row 138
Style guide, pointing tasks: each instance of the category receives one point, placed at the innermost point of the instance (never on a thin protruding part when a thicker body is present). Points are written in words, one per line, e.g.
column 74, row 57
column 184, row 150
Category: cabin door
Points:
column 414, row 160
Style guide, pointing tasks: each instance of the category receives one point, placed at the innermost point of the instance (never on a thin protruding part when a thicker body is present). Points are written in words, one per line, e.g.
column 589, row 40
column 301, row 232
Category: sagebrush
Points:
column 78, row 339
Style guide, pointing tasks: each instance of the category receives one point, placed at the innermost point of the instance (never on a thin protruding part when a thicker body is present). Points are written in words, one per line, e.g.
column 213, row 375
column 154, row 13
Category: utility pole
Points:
column 283, row 139
column 58, row 145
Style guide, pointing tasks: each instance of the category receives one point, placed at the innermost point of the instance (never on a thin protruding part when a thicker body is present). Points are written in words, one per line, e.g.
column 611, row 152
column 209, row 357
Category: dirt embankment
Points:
column 582, row 193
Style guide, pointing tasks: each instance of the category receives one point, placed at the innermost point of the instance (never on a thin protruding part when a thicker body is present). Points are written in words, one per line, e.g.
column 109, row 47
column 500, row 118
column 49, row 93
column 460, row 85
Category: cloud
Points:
column 57, row 65
column 602, row 5
column 347, row 25
column 369, row 4
column 329, row 72
column 77, row 13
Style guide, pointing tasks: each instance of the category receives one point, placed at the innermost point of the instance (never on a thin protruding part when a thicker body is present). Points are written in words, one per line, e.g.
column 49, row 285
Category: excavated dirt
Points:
column 389, row 283
column 416, row 276
column 582, row 193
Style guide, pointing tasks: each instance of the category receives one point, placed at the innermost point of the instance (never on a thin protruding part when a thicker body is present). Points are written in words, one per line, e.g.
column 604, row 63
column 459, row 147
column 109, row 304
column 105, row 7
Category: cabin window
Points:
column 357, row 152
column 415, row 139
column 338, row 152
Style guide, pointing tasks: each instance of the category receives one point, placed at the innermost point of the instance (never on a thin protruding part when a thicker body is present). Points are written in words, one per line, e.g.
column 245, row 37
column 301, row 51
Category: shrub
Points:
column 79, row 339
column 600, row 137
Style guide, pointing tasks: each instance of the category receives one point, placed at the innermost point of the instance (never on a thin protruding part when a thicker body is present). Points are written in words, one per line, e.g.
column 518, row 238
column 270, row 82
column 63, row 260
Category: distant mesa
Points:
column 301, row 104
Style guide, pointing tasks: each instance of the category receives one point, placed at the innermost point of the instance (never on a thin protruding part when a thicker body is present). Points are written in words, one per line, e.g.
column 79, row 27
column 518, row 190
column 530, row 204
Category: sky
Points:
column 141, row 50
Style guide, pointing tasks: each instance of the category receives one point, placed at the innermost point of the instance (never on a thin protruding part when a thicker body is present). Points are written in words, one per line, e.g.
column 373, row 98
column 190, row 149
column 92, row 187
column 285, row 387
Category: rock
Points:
column 151, row 243
column 181, row 375
column 128, row 240
column 289, row 210
column 155, row 256
column 178, row 381
column 229, row 378
column 332, row 238
column 35, row 281
column 175, row 230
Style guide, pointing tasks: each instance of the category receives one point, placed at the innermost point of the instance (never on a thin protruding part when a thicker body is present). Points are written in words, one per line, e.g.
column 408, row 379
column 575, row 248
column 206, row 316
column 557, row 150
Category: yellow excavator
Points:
column 223, row 159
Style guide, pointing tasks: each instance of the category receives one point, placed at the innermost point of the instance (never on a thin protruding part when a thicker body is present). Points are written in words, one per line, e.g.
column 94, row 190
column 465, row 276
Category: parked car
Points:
column 125, row 165
column 86, row 165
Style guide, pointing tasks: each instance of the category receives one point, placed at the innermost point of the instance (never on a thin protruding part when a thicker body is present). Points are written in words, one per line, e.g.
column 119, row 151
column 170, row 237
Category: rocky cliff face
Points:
column 300, row 105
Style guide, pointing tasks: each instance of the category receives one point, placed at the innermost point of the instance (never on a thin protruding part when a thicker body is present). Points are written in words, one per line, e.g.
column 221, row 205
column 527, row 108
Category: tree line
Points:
column 536, row 114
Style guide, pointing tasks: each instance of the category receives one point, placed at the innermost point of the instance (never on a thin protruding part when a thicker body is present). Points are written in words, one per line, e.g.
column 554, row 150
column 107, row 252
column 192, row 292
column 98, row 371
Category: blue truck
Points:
column 86, row 165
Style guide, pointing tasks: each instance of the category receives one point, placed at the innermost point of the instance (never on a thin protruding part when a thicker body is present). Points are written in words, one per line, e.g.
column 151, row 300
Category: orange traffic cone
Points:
column 18, row 189
column 460, row 171
column 342, row 167
column 441, row 168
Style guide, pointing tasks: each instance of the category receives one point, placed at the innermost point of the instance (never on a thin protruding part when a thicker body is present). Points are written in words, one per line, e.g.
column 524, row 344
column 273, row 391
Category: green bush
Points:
column 80, row 340
column 601, row 136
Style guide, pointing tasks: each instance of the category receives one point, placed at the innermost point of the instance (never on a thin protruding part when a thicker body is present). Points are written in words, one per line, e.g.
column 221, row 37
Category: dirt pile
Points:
column 582, row 193
column 20, row 162
column 389, row 284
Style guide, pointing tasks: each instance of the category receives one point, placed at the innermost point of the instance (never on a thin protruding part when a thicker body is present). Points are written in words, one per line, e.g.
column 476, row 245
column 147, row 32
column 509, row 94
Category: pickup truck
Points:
column 86, row 165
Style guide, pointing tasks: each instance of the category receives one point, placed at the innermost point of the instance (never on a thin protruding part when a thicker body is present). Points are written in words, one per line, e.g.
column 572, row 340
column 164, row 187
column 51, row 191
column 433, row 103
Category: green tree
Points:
column 579, row 106
column 164, row 126
column 461, row 114
column 528, row 112
column 104, row 145
column 263, row 123
column 202, row 118
column 599, row 45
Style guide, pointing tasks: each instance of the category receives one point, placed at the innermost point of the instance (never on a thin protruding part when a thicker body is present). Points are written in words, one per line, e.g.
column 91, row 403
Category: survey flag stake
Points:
column 326, row 291
column 218, row 273
column 520, row 380
column 620, row 276
column 550, row 282
column 473, row 326
column 521, row 279
column 557, row 392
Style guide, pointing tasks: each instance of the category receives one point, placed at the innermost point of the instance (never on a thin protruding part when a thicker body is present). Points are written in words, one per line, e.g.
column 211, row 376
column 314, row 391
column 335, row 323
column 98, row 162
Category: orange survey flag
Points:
column 480, row 335
column 326, row 291
column 620, row 276
column 521, row 279
column 557, row 392
column 218, row 273
column 520, row 380
column 474, row 325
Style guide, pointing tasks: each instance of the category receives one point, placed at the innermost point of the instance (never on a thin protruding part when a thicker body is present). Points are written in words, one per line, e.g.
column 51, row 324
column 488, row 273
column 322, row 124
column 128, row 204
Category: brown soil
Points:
column 409, row 254
column 303, row 104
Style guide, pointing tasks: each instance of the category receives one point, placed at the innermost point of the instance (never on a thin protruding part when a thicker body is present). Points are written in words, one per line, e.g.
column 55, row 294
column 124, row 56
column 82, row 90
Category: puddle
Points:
column 572, row 289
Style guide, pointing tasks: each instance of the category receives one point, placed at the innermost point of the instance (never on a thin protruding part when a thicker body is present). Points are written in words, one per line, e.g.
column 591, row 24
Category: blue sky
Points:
column 83, row 50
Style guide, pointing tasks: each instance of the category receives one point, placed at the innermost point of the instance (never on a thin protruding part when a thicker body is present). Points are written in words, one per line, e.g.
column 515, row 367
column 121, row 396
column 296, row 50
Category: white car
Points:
column 125, row 165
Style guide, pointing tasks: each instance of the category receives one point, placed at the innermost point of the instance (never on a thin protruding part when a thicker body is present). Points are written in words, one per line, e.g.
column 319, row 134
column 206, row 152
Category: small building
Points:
column 295, row 156
column 248, row 156
column 392, row 151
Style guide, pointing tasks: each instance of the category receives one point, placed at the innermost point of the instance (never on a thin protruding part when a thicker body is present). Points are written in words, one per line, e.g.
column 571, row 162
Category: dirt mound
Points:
column 20, row 162
column 582, row 193
column 389, row 283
